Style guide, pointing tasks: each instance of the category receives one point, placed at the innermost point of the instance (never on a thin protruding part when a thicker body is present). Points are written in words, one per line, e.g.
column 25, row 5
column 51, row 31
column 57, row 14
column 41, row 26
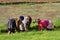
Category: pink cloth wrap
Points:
column 43, row 24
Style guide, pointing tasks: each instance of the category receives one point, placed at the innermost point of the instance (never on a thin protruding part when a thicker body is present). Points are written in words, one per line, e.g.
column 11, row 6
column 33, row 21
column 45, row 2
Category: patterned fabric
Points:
column 27, row 21
column 50, row 26
column 11, row 25
column 43, row 24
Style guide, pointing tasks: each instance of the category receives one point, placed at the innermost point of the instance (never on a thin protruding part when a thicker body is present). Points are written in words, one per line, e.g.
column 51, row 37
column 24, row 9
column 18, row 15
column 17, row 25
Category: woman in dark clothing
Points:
column 11, row 25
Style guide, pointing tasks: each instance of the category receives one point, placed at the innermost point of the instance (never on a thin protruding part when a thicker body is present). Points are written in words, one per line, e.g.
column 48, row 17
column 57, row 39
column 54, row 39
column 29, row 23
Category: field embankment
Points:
column 44, row 11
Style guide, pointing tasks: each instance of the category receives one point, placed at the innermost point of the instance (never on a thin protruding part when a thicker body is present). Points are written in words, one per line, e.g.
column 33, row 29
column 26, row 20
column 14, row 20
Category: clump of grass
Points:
column 56, row 22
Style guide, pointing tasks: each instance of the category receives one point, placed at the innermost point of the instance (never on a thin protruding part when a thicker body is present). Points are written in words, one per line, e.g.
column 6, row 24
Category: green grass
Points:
column 33, row 34
column 31, row 9
column 30, row 35
column 56, row 22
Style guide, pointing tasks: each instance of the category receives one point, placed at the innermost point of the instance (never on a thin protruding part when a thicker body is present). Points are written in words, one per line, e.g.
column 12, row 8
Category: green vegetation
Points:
column 45, row 10
column 33, row 34
column 56, row 22
column 15, row 3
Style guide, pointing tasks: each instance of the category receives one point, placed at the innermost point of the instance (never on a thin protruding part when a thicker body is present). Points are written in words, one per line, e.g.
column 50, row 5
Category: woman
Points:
column 18, row 22
column 44, row 24
column 27, row 21
column 21, row 25
column 11, row 25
